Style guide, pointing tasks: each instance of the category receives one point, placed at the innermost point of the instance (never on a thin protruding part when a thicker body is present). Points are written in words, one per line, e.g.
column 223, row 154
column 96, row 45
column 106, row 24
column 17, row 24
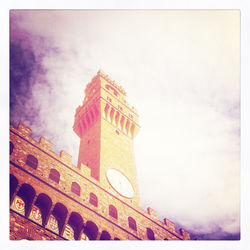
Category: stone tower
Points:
column 106, row 125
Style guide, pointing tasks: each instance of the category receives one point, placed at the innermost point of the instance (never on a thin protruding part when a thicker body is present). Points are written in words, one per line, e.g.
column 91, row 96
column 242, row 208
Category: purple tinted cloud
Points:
column 27, row 52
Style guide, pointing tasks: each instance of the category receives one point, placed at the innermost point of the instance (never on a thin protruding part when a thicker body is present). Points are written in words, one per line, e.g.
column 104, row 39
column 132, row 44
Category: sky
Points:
column 181, row 71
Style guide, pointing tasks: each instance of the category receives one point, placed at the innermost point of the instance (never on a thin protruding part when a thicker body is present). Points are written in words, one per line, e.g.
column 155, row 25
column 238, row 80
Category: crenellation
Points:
column 185, row 234
column 112, row 82
column 153, row 214
column 45, row 144
column 169, row 224
column 65, row 157
column 25, row 131
column 86, row 171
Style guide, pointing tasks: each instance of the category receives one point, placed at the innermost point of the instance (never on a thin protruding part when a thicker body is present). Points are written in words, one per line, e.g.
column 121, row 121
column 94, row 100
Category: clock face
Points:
column 120, row 183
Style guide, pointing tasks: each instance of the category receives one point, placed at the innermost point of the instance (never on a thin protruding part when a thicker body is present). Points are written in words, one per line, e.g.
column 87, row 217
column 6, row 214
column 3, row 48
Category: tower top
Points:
column 112, row 82
column 117, row 90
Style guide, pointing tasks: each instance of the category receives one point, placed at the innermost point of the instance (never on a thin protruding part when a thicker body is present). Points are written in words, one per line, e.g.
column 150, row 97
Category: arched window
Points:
column 132, row 223
column 11, row 147
column 105, row 236
column 150, row 234
column 93, row 199
column 27, row 194
column 59, row 213
column 91, row 230
column 76, row 222
column 75, row 188
column 112, row 211
column 54, row 175
column 13, row 185
column 32, row 161
column 44, row 203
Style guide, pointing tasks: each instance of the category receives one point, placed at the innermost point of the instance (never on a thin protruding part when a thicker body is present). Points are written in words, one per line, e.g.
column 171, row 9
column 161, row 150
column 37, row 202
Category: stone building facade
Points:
column 51, row 199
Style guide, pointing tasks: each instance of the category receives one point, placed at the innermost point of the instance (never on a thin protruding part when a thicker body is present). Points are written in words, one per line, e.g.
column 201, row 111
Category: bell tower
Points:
column 107, row 125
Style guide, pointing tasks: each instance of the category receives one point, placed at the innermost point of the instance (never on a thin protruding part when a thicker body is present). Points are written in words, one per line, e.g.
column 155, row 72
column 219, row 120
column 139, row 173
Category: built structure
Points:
column 51, row 199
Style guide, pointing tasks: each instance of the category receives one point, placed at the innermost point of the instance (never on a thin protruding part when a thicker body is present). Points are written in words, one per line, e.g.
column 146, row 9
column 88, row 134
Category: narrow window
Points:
column 132, row 223
column 32, row 161
column 54, row 175
column 93, row 199
column 150, row 234
column 112, row 211
column 11, row 147
column 75, row 188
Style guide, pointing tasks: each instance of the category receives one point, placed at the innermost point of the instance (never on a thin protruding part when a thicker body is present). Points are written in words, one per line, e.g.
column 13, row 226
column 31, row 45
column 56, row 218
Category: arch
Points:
column 44, row 203
column 54, row 175
column 83, row 124
column 93, row 199
column 91, row 230
column 132, row 223
column 88, row 120
column 106, row 109
column 116, row 238
column 132, row 129
column 117, row 118
column 96, row 112
column 150, row 234
column 122, row 122
column 80, row 127
column 27, row 194
column 92, row 116
column 11, row 147
column 127, row 126
column 165, row 239
column 60, row 213
column 13, row 185
column 76, row 222
column 105, row 235
column 75, row 188
column 32, row 161
column 113, row 211
column 111, row 114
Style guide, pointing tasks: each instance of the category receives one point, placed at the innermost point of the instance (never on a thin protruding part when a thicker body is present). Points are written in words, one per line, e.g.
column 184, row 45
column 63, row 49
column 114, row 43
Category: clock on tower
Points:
column 106, row 125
